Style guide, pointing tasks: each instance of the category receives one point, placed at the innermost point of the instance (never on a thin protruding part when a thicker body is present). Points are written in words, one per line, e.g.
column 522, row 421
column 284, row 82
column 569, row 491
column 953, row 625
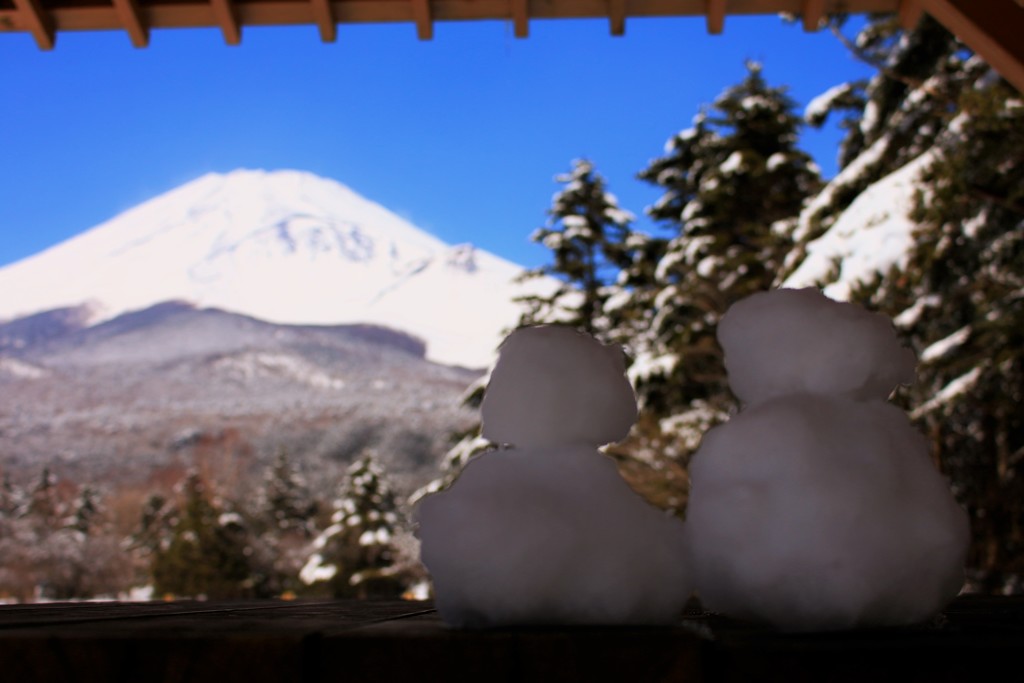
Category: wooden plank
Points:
column 39, row 22
column 813, row 12
column 424, row 22
column 617, row 17
column 225, row 18
column 131, row 18
column 978, row 638
column 716, row 16
column 910, row 13
column 994, row 29
column 325, row 21
column 521, row 18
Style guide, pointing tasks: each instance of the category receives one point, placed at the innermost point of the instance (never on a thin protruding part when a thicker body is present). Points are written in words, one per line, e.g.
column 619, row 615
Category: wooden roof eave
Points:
column 992, row 28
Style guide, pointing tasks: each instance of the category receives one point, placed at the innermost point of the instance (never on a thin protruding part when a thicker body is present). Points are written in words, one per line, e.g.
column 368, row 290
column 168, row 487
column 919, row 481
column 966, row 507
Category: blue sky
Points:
column 462, row 134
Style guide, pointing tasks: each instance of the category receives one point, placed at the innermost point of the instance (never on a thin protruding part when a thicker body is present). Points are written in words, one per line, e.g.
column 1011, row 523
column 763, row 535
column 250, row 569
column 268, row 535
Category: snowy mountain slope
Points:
column 283, row 246
column 872, row 235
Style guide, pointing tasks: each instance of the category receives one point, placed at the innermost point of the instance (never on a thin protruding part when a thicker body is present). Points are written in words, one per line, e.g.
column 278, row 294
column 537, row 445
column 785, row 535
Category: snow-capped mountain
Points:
column 283, row 246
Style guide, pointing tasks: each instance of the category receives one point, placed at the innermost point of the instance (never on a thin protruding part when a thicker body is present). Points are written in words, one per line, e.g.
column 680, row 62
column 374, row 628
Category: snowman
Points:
column 817, row 506
column 545, row 530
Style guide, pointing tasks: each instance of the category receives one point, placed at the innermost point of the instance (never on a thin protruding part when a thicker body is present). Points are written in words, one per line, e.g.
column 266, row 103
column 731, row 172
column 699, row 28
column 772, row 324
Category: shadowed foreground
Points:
column 396, row 640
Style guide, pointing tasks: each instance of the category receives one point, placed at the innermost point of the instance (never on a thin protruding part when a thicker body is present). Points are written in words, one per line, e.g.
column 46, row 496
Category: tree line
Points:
column 740, row 209
column 59, row 541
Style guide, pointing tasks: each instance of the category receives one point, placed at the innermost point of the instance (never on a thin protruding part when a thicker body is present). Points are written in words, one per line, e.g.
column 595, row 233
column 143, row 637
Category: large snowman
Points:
column 817, row 505
column 545, row 530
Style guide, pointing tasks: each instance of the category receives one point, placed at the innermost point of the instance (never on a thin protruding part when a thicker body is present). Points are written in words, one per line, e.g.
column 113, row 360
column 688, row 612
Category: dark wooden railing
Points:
column 976, row 639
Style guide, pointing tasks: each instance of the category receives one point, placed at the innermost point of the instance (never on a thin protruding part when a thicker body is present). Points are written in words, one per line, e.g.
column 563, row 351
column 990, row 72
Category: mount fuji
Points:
column 287, row 247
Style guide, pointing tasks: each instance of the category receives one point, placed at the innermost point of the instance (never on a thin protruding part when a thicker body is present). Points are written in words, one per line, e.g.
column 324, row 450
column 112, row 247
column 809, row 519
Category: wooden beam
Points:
column 225, row 17
column 521, row 18
column 39, row 22
column 617, row 17
column 424, row 21
column 131, row 18
column 813, row 12
column 910, row 12
column 715, row 10
column 323, row 14
column 993, row 29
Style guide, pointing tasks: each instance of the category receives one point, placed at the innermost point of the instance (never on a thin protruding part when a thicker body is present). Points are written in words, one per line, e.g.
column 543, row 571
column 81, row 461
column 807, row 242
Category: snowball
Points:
column 817, row 506
column 819, row 512
column 556, row 385
column 797, row 340
column 548, row 531
column 551, row 535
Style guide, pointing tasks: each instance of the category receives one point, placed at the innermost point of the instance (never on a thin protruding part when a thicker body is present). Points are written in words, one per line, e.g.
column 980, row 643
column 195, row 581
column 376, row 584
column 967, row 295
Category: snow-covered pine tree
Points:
column 12, row 499
column 283, row 523
column 588, row 235
column 285, row 502
column 891, row 119
column 355, row 555
column 84, row 511
column 968, row 262
column 733, row 184
column 44, row 505
column 208, row 551
column 942, row 118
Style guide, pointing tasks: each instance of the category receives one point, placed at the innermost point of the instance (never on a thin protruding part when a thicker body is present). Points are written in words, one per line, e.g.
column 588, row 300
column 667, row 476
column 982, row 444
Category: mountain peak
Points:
column 285, row 246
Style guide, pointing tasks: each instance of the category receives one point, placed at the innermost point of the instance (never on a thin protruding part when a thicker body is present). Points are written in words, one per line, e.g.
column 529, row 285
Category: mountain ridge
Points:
column 112, row 401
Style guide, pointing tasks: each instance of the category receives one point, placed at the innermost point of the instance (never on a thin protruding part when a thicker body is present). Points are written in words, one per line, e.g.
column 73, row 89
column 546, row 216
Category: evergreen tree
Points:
column 285, row 521
column 355, row 555
column 733, row 185
column 286, row 503
column 44, row 505
column 890, row 119
column 588, row 235
column 85, row 512
column 12, row 499
column 208, row 550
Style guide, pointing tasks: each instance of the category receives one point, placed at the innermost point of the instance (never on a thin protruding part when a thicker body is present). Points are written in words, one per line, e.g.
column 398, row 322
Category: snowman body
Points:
column 817, row 505
column 547, row 531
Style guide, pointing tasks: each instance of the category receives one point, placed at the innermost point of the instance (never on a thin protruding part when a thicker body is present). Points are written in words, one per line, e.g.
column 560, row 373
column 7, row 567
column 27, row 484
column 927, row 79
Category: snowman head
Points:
column 554, row 385
column 791, row 341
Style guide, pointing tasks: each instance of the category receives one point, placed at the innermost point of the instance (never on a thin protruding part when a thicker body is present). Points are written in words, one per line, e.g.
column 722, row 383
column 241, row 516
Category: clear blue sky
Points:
column 461, row 134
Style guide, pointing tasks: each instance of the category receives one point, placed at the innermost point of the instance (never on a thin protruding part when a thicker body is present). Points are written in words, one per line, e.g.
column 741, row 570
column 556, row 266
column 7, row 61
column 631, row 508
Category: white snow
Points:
column 910, row 316
column 314, row 570
column 549, row 532
column 775, row 161
column 848, row 176
column 250, row 365
column 818, row 108
column 733, row 164
column 872, row 235
column 946, row 345
column 817, row 506
column 19, row 369
column 960, row 385
column 283, row 246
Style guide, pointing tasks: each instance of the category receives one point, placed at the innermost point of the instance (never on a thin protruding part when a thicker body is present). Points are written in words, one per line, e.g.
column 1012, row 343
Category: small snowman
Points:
column 817, row 506
column 546, row 530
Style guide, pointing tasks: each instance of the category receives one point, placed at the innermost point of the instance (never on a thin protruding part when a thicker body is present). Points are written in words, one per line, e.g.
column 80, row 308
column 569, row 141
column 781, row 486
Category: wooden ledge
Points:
column 401, row 641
